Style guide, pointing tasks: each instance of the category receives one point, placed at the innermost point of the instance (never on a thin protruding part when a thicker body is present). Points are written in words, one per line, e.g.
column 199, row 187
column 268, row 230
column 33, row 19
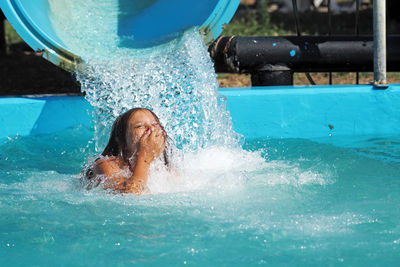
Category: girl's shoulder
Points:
column 106, row 166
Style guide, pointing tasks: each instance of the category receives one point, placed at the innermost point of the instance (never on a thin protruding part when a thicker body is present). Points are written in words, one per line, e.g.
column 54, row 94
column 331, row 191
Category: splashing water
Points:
column 176, row 80
column 179, row 86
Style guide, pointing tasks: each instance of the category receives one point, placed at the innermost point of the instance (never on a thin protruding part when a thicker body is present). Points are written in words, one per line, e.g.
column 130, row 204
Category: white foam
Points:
column 213, row 168
column 280, row 172
column 226, row 169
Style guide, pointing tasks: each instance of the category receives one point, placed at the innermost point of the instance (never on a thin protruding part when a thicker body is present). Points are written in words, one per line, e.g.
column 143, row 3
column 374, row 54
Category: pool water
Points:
column 272, row 201
column 280, row 202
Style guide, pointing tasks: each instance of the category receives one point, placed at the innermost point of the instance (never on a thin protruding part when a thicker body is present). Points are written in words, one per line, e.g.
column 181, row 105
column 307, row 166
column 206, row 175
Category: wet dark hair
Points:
column 117, row 145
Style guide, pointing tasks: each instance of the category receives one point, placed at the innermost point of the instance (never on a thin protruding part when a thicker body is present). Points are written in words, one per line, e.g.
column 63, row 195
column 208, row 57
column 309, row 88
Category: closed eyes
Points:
column 142, row 126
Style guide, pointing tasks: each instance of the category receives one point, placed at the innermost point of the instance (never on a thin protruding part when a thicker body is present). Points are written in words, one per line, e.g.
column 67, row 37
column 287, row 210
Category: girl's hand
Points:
column 152, row 144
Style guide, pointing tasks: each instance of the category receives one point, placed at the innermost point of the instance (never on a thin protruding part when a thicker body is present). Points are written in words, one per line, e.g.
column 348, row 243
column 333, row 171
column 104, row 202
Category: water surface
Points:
column 304, row 203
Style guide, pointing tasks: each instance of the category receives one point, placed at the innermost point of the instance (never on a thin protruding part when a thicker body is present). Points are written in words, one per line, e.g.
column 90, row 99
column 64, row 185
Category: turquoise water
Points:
column 277, row 202
column 281, row 202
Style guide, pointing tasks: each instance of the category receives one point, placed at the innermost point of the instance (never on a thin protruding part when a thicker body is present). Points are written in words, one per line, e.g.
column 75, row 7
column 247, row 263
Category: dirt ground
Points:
column 243, row 80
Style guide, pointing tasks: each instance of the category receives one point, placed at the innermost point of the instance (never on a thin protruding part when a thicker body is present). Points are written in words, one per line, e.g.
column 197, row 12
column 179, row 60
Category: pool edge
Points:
column 275, row 112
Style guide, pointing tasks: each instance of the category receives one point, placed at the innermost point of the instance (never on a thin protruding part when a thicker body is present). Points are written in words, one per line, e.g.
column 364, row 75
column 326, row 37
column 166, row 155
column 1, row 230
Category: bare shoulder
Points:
column 106, row 166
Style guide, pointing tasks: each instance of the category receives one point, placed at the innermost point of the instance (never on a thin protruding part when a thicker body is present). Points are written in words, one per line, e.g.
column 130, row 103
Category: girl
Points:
column 136, row 139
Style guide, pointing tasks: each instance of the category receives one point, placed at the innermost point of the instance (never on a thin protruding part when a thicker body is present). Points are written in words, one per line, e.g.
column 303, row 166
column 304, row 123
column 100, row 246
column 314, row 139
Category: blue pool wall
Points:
column 258, row 112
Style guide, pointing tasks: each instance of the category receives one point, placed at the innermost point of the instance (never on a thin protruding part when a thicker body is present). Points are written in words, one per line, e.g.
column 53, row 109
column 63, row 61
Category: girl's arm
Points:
column 137, row 183
column 116, row 181
column 152, row 144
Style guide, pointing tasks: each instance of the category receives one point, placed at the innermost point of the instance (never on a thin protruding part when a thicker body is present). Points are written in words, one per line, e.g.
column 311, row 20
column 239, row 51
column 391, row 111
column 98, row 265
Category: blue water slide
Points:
column 148, row 22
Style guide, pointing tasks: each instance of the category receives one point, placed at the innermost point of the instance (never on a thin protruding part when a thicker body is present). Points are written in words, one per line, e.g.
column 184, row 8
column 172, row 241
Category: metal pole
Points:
column 330, row 31
column 380, row 43
column 357, row 30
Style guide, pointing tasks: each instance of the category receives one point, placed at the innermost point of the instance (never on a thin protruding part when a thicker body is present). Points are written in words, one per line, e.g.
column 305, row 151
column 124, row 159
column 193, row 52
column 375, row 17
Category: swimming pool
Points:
column 315, row 182
column 305, row 203
column 299, row 193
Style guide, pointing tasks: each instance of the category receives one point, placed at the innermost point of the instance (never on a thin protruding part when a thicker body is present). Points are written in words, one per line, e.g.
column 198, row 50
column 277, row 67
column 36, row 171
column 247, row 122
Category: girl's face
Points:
column 139, row 122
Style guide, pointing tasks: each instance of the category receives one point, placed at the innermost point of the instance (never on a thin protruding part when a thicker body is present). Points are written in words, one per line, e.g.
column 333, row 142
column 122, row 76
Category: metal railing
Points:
column 380, row 43
column 270, row 64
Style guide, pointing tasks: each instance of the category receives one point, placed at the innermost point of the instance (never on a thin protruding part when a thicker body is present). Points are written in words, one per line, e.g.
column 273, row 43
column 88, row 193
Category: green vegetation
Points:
column 11, row 35
column 252, row 22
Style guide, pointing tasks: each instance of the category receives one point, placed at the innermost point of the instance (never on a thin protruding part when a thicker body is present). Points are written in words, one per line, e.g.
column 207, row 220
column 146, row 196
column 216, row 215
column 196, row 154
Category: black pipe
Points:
column 270, row 78
column 300, row 54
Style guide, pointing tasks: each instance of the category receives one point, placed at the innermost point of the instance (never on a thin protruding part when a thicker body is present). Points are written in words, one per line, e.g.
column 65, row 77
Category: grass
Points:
column 344, row 78
column 243, row 80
